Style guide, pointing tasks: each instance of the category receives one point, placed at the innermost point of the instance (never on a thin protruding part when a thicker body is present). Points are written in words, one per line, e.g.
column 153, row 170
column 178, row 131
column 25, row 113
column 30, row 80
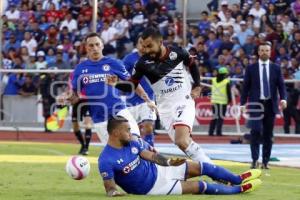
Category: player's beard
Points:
column 156, row 54
column 124, row 142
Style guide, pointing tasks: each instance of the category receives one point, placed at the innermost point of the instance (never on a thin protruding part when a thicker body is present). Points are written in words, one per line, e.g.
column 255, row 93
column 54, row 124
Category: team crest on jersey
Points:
column 85, row 80
column 173, row 55
column 134, row 150
column 106, row 67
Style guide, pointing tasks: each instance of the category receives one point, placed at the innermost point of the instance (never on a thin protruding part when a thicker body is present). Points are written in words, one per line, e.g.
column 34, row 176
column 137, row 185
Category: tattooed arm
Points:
column 160, row 159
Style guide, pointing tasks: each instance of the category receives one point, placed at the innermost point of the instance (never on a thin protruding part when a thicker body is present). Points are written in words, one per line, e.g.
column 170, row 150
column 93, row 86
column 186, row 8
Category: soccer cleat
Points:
column 250, row 175
column 250, row 185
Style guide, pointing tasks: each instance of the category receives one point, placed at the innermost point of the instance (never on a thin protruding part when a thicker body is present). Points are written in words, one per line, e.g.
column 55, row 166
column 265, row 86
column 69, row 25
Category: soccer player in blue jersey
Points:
column 103, row 100
column 143, row 114
column 127, row 163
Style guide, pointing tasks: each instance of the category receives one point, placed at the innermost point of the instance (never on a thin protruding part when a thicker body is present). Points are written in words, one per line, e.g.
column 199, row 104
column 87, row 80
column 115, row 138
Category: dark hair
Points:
column 114, row 122
column 151, row 32
column 92, row 34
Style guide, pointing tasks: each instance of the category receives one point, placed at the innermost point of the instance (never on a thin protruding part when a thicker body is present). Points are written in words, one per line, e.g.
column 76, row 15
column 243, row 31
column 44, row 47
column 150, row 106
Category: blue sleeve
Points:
column 128, row 64
column 120, row 70
column 106, row 169
column 75, row 78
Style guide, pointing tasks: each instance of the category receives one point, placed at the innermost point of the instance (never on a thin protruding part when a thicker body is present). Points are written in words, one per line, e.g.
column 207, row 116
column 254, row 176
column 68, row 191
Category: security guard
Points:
column 220, row 97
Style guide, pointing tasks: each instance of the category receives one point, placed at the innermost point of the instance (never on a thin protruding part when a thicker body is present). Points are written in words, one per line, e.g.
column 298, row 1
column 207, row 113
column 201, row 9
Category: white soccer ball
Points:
column 78, row 167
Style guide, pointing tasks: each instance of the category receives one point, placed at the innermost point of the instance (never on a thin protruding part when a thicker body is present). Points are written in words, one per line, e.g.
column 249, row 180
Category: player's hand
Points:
column 152, row 106
column 115, row 193
column 243, row 109
column 195, row 93
column 72, row 98
column 283, row 104
column 111, row 80
column 62, row 99
column 176, row 161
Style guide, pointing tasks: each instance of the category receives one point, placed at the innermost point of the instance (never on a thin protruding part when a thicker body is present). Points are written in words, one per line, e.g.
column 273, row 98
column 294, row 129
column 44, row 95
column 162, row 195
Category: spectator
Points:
column 14, row 83
column 204, row 23
column 122, row 26
column 37, row 33
column 281, row 6
column 244, row 33
column 13, row 14
column 41, row 62
column 257, row 11
column 28, row 88
column 139, row 19
column 224, row 9
column 271, row 13
column 29, row 42
column 26, row 14
column 152, row 7
column 109, row 37
column 70, row 23
column 52, row 14
column 12, row 43
column 287, row 24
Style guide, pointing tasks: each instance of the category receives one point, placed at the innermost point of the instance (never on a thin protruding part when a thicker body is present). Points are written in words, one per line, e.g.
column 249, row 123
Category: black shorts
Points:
column 80, row 110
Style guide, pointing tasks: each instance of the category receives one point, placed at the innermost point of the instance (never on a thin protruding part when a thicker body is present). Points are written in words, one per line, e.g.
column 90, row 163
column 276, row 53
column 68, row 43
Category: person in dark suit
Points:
column 262, row 82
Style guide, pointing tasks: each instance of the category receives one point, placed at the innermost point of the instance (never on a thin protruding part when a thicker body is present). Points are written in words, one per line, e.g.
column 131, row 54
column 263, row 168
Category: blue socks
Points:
column 219, row 173
column 218, row 188
column 150, row 139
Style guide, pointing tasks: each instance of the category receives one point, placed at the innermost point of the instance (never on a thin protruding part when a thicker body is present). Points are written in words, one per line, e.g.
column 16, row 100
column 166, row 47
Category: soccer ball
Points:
column 78, row 167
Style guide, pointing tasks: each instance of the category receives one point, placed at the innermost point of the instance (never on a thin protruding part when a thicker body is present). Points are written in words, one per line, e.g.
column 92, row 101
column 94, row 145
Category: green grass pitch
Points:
column 36, row 171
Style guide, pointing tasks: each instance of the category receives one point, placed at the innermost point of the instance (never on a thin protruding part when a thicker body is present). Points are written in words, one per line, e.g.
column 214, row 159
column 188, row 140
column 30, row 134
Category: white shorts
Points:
column 101, row 127
column 168, row 180
column 179, row 113
column 142, row 113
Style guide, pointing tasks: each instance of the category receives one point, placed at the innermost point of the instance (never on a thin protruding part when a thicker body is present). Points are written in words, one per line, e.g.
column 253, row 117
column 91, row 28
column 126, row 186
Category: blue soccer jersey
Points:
column 133, row 99
column 133, row 174
column 89, row 80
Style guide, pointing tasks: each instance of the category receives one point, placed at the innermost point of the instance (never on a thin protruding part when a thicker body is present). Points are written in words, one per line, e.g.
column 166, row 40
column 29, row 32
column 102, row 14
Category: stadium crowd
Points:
column 48, row 34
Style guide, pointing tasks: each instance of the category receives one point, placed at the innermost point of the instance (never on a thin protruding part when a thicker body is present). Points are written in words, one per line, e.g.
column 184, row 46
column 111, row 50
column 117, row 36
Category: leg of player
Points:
column 188, row 146
column 146, row 129
column 88, row 134
column 77, row 132
column 243, row 183
column 219, row 173
column 202, row 187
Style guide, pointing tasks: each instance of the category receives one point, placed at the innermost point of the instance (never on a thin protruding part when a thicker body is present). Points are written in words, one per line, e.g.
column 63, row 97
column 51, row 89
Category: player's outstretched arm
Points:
column 160, row 159
column 111, row 188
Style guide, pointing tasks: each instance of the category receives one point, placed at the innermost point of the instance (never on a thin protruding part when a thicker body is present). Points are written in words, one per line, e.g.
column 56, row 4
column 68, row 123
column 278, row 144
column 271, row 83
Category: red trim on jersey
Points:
column 135, row 81
column 182, row 124
column 166, row 54
column 192, row 61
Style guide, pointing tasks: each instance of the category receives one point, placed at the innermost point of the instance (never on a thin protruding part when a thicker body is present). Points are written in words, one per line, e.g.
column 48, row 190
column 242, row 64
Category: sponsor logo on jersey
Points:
column 173, row 55
column 132, row 165
column 169, row 81
column 106, row 67
column 94, row 78
column 173, row 89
